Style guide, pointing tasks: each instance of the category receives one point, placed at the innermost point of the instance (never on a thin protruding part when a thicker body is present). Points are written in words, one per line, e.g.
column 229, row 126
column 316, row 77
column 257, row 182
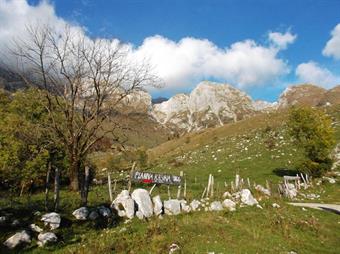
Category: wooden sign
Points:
column 148, row 177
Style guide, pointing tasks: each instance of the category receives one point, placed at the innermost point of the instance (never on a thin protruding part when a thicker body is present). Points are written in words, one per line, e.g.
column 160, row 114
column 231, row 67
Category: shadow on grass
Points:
column 285, row 172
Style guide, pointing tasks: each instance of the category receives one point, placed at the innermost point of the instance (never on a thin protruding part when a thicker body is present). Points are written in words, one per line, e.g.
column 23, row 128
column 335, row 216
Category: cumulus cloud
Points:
column 243, row 64
column 281, row 40
column 179, row 63
column 312, row 72
column 332, row 48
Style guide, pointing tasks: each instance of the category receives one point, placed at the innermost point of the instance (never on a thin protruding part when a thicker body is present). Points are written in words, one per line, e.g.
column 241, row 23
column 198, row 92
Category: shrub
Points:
column 313, row 133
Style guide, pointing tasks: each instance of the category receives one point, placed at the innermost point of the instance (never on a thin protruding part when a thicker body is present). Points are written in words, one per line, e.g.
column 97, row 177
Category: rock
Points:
column 229, row 204
column 15, row 223
column 18, row 239
column 216, row 206
column 263, row 190
column 35, row 228
column 81, row 213
column 172, row 207
column 290, row 191
column 46, row 238
column 3, row 220
column 143, row 200
column 274, row 205
column 247, row 198
column 226, row 195
column 93, row 215
column 140, row 215
column 329, row 179
column 184, row 206
column 104, row 211
column 51, row 219
column 157, row 205
column 124, row 204
column 173, row 248
column 195, row 204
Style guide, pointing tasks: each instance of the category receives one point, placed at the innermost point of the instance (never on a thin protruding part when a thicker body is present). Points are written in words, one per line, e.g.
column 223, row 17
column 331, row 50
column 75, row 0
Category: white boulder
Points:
column 216, row 206
column 18, row 239
column 35, row 228
column 229, row 204
column 124, row 204
column 184, row 206
column 157, row 205
column 263, row 190
column 247, row 198
column 143, row 200
column 51, row 219
column 46, row 238
column 172, row 207
column 81, row 213
column 195, row 204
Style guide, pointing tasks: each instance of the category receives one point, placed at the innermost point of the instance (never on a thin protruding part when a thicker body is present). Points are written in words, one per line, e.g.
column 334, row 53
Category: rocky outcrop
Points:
column 264, row 106
column 209, row 104
column 302, row 95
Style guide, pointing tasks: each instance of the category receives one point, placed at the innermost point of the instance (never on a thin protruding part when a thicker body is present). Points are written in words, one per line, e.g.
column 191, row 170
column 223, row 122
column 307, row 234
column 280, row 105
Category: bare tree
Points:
column 84, row 81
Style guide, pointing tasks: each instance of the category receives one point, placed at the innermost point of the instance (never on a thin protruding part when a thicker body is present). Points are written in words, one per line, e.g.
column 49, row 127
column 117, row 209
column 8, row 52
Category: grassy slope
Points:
column 248, row 230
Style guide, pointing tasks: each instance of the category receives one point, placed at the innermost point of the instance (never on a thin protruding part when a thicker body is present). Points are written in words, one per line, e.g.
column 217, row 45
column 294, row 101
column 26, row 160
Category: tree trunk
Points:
column 47, row 186
column 85, row 186
column 56, row 189
column 74, row 174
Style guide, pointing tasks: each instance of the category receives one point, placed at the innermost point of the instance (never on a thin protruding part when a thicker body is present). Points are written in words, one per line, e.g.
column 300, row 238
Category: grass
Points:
column 257, row 148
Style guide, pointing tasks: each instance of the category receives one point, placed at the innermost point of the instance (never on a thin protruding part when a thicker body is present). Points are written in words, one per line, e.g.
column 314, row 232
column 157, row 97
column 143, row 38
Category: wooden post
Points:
column 248, row 182
column 56, row 189
column 169, row 195
column 86, row 184
column 212, row 186
column 185, row 188
column 152, row 189
column 109, row 186
column 205, row 189
column 131, row 173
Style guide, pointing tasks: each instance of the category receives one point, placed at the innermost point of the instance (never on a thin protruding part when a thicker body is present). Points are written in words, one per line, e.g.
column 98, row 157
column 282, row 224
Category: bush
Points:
column 313, row 133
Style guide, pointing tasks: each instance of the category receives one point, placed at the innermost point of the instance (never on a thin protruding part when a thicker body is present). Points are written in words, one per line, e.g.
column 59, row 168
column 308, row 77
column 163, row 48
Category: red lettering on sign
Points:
column 147, row 181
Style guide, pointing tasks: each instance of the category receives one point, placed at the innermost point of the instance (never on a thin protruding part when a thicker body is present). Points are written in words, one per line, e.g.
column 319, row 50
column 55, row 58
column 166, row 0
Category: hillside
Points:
column 257, row 148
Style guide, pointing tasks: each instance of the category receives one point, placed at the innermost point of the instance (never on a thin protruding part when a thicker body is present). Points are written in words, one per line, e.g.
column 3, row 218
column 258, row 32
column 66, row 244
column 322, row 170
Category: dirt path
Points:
column 326, row 207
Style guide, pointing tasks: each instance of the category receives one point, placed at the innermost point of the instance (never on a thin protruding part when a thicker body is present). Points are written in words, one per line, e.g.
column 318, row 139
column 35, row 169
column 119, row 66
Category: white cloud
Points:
column 181, row 64
column 281, row 40
column 244, row 63
column 332, row 48
column 311, row 72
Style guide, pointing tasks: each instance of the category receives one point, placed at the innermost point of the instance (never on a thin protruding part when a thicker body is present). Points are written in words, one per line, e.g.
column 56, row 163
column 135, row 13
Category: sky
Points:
column 260, row 47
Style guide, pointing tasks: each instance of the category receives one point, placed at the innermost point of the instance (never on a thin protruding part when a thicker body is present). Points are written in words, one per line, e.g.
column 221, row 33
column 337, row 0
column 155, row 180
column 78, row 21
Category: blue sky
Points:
column 222, row 23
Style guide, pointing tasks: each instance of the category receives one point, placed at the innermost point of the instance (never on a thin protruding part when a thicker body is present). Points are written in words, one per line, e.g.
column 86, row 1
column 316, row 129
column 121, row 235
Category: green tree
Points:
column 26, row 145
column 312, row 130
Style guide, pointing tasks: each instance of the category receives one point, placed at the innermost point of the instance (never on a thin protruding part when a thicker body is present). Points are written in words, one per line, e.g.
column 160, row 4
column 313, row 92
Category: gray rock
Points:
column 51, row 219
column 195, row 204
column 216, row 206
column 124, row 204
column 15, row 223
column 172, row 207
column 35, row 228
column 46, row 238
column 143, row 200
column 229, row 204
column 157, row 205
column 18, row 239
column 81, row 213
column 263, row 190
column 3, row 220
column 227, row 195
column 93, row 215
column 247, row 198
column 104, row 211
